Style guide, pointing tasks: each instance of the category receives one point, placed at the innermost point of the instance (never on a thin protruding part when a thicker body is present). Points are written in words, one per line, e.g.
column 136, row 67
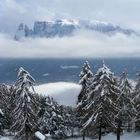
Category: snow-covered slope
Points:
column 66, row 27
column 63, row 92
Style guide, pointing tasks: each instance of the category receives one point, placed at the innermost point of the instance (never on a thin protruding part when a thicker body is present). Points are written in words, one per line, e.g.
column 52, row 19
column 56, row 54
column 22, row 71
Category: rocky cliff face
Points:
column 65, row 27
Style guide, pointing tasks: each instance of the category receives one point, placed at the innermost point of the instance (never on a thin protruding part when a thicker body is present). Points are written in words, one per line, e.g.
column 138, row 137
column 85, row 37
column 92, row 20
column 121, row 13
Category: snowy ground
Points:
column 5, row 138
column 63, row 92
column 126, row 136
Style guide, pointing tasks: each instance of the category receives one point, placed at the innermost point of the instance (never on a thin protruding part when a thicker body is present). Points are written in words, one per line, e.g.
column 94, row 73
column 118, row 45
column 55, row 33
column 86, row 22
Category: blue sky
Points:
column 121, row 12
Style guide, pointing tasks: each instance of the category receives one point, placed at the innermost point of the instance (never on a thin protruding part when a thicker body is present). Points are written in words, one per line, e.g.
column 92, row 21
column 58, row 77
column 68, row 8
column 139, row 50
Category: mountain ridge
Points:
column 61, row 28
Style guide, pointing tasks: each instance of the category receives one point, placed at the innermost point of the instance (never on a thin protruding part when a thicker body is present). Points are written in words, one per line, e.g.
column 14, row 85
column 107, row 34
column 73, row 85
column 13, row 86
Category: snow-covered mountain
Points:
column 65, row 27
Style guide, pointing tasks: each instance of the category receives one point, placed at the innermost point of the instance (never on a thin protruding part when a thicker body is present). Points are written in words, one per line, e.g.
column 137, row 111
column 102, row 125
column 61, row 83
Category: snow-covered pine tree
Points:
column 42, row 101
column 71, row 121
column 125, row 85
column 52, row 120
column 136, row 100
column 4, row 105
column 26, row 109
column 86, row 78
column 2, row 115
column 100, row 109
column 125, row 102
column 47, row 109
column 2, row 126
column 64, row 122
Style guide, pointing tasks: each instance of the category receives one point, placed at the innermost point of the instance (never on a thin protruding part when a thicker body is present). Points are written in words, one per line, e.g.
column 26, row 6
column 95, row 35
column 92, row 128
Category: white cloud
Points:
column 82, row 44
column 122, row 12
column 64, row 93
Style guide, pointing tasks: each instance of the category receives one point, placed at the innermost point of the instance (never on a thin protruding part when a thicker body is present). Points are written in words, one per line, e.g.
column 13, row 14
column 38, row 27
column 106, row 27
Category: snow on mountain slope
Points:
column 67, row 27
column 63, row 92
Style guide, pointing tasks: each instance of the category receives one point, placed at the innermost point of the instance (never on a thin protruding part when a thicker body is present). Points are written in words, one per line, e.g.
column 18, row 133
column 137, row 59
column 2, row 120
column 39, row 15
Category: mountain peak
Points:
column 66, row 27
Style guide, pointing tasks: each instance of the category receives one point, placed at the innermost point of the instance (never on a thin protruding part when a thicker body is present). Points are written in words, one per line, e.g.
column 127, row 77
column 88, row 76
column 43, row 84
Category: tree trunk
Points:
column 83, row 135
column 27, row 137
column 72, row 131
column 119, row 130
column 100, row 129
column 129, row 128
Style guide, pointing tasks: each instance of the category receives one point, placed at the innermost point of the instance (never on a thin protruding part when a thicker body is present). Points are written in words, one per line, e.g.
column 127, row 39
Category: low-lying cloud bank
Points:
column 64, row 93
column 82, row 45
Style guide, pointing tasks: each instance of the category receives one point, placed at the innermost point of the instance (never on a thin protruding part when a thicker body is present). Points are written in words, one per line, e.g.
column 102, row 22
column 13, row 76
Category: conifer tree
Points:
column 2, row 125
column 101, row 109
column 136, row 100
column 125, row 85
column 127, row 111
column 86, row 78
column 5, row 95
column 2, row 108
column 26, row 109
column 2, row 115
column 71, row 121
column 53, row 119
column 47, row 108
